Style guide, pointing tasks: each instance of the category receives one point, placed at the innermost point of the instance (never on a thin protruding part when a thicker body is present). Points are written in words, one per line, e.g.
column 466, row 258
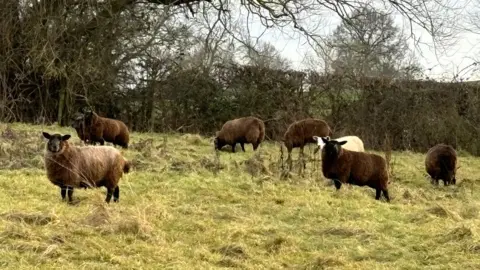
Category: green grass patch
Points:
column 183, row 206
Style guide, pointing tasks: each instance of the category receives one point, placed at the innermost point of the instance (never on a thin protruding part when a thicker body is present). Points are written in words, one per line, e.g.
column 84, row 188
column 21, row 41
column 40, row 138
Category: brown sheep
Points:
column 301, row 132
column 70, row 167
column 357, row 168
column 240, row 130
column 441, row 163
column 106, row 129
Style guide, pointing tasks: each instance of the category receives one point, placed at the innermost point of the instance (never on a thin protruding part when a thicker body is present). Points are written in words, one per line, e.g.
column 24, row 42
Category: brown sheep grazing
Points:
column 240, row 130
column 441, row 163
column 357, row 168
column 70, row 167
column 301, row 132
column 104, row 129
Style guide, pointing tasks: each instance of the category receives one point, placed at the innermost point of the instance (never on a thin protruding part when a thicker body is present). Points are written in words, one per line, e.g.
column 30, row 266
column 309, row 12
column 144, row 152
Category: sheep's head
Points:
column 320, row 143
column 331, row 148
column 78, row 120
column 56, row 142
column 219, row 143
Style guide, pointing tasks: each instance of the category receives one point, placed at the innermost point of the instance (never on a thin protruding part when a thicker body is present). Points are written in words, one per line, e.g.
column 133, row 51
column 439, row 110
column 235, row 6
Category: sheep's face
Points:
column 78, row 120
column 332, row 148
column 56, row 142
column 219, row 143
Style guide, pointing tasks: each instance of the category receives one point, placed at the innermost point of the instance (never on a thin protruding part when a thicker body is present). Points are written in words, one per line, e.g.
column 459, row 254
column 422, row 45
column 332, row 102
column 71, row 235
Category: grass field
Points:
column 183, row 207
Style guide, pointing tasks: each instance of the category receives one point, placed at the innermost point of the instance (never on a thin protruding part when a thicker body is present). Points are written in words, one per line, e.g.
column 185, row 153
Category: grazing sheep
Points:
column 80, row 127
column 106, row 129
column 357, row 168
column 70, row 167
column 354, row 143
column 240, row 130
column 301, row 132
column 441, row 163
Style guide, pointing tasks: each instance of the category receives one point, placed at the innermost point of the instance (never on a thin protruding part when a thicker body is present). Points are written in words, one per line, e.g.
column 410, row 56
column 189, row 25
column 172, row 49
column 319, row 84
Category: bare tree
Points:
column 369, row 44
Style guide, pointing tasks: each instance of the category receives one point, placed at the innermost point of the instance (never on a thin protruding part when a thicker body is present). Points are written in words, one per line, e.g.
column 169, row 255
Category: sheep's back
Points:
column 110, row 128
column 99, row 162
column 87, row 164
column 440, row 158
column 249, row 128
column 367, row 168
column 301, row 132
column 354, row 143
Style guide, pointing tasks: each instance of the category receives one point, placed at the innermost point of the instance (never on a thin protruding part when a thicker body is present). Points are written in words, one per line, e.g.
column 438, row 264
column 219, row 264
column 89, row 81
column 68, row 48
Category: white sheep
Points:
column 354, row 143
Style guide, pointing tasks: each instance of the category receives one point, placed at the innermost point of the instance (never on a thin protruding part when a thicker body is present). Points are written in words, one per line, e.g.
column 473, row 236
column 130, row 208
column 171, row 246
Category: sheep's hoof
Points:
column 74, row 202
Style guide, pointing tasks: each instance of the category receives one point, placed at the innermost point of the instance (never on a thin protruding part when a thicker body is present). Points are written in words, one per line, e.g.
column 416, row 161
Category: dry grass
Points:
column 184, row 207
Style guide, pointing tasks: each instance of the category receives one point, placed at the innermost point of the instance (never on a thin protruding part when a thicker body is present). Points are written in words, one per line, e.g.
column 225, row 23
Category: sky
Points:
column 441, row 65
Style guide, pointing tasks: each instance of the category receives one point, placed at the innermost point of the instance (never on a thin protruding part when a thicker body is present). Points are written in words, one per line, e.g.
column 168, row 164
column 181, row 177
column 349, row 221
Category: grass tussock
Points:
column 185, row 206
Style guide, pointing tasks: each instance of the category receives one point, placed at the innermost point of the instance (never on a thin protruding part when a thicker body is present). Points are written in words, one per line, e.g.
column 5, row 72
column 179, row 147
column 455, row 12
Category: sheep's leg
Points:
column 378, row 193
column 446, row 182
column 243, row 146
column 70, row 194
column 385, row 194
column 63, row 192
column 116, row 194
column 233, row 147
column 302, row 158
column 255, row 146
column 337, row 183
column 101, row 141
column 109, row 194
column 289, row 160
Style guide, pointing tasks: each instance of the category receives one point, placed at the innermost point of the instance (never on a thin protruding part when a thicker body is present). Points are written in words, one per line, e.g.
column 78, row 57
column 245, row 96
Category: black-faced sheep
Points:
column 357, row 168
column 70, row 167
column 240, row 130
column 354, row 143
column 301, row 132
column 441, row 163
column 104, row 129
column 83, row 131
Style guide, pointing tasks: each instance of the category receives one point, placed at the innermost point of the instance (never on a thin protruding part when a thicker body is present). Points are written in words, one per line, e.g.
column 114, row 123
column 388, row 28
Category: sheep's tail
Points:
column 126, row 166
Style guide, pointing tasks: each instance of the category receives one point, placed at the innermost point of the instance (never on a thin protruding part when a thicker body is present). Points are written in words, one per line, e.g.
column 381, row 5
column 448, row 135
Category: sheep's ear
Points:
column 325, row 139
column 66, row 137
column 342, row 142
column 46, row 135
column 320, row 143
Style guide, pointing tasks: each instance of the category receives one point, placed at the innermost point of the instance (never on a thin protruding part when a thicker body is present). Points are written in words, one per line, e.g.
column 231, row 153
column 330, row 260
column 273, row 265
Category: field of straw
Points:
column 184, row 207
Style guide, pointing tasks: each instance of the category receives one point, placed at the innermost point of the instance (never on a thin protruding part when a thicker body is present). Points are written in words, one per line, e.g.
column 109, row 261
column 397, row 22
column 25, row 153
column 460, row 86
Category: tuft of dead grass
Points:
column 29, row 218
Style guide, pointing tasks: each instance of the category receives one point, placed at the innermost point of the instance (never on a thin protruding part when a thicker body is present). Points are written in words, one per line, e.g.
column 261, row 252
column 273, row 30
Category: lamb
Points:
column 352, row 167
column 301, row 133
column 106, row 129
column 70, row 167
column 240, row 130
column 354, row 143
column 441, row 163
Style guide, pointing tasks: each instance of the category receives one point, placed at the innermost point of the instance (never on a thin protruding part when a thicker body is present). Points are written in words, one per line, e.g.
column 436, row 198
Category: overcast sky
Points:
column 443, row 65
